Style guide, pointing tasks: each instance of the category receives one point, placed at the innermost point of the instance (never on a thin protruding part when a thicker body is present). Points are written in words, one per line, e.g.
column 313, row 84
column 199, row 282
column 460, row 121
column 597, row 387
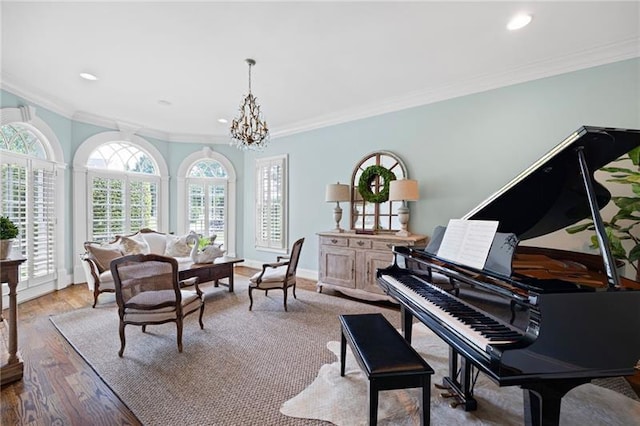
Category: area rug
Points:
column 343, row 400
column 239, row 370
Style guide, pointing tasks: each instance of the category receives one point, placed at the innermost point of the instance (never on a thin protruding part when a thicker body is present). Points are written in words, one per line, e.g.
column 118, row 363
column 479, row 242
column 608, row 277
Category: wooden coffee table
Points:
column 221, row 268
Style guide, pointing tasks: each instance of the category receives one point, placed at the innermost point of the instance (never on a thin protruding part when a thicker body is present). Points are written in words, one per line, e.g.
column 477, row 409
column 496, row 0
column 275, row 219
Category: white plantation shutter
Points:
column 207, row 210
column 143, row 202
column 197, row 210
column 271, row 202
column 28, row 199
column 107, row 207
column 43, row 220
column 121, row 205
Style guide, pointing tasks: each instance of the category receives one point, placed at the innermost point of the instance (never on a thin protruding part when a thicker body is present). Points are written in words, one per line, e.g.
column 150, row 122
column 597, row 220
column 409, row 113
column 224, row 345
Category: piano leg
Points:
column 406, row 319
column 542, row 400
column 460, row 385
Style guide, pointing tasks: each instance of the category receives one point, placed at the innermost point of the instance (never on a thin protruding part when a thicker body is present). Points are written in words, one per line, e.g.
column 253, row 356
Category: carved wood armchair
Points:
column 279, row 275
column 148, row 292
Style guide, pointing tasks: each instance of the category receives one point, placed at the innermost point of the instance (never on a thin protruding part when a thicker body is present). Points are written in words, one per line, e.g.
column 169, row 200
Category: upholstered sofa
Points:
column 97, row 258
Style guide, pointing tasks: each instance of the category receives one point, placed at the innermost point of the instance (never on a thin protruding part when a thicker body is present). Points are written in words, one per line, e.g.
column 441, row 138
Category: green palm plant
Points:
column 621, row 229
column 8, row 229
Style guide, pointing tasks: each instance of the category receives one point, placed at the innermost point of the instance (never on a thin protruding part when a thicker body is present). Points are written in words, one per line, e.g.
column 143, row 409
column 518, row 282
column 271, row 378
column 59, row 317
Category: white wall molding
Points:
column 599, row 55
column 308, row 274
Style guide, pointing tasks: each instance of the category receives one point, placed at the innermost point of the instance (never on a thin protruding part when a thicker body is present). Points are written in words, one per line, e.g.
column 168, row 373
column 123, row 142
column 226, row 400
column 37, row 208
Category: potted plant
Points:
column 8, row 231
column 621, row 230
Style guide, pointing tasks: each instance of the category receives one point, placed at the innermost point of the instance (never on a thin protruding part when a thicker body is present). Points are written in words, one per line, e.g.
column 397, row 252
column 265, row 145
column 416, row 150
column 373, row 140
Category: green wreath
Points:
column 366, row 179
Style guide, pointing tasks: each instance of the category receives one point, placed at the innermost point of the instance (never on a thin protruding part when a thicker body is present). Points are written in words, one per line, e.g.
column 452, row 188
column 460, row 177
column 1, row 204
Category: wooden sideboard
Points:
column 11, row 365
column 349, row 261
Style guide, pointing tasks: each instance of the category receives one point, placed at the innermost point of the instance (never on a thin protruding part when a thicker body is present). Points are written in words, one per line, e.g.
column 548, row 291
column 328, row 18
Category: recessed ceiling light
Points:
column 164, row 102
column 222, row 120
column 519, row 21
column 88, row 76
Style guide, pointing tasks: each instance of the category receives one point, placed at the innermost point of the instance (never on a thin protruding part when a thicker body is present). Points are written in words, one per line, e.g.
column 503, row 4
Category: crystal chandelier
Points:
column 249, row 130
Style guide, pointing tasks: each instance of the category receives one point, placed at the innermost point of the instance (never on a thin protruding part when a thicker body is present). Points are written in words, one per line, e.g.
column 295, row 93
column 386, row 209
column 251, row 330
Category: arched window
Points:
column 29, row 194
column 123, row 186
column 120, row 184
column 207, row 187
column 207, row 194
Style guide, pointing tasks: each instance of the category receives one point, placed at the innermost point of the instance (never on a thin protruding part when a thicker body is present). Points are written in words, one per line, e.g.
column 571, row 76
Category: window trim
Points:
column 282, row 159
column 27, row 115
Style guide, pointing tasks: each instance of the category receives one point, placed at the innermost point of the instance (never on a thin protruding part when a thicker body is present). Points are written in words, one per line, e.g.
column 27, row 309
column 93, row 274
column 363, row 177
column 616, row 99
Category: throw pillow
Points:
column 177, row 246
column 133, row 245
column 103, row 255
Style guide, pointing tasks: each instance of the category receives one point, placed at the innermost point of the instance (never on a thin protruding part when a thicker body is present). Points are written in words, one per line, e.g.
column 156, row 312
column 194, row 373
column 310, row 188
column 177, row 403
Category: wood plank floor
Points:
column 59, row 387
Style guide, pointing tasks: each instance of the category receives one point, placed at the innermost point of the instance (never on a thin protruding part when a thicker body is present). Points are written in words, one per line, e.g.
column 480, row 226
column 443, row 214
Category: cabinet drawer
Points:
column 383, row 245
column 360, row 243
column 333, row 241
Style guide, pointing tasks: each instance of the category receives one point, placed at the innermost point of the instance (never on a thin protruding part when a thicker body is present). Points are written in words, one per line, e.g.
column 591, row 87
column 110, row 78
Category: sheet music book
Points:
column 468, row 242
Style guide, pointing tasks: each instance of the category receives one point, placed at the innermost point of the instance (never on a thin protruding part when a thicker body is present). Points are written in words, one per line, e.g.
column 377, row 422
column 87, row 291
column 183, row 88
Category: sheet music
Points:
column 468, row 242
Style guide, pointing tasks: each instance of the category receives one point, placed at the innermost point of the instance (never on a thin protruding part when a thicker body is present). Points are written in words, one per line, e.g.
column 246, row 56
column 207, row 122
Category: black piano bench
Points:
column 388, row 360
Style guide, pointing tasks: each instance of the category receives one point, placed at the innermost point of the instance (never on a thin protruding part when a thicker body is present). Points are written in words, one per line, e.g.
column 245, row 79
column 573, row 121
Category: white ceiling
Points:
column 318, row 63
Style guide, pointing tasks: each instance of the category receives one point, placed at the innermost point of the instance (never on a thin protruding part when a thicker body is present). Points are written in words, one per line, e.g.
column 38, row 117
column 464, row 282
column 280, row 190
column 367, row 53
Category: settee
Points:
column 98, row 256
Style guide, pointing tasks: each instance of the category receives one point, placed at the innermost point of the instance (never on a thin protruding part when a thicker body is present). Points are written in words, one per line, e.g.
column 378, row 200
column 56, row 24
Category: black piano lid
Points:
column 550, row 195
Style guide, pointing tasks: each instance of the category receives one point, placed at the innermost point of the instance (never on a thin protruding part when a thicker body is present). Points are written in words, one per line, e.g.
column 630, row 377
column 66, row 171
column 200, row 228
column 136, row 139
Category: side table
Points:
column 11, row 365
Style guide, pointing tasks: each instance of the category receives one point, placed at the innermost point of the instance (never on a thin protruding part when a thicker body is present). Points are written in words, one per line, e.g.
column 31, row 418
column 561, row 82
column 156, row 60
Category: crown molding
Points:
column 600, row 55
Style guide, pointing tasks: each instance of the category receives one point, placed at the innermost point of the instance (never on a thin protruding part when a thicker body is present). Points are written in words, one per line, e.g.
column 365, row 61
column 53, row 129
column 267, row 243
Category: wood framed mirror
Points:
column 371, row 211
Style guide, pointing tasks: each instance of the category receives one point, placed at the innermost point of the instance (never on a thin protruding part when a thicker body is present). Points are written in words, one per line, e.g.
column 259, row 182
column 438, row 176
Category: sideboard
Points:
column 349, row 261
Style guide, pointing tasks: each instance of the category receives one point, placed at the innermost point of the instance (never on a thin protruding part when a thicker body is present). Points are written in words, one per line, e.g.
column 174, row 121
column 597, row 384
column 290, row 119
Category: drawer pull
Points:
column 334, row 240
column 360, row 243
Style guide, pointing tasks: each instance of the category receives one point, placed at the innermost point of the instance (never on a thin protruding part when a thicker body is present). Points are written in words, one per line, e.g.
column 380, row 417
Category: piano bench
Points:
column 386, row 357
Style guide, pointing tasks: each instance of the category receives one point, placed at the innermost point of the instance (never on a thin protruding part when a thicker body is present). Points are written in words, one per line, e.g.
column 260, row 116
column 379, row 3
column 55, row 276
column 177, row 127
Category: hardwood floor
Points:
column 59, row 387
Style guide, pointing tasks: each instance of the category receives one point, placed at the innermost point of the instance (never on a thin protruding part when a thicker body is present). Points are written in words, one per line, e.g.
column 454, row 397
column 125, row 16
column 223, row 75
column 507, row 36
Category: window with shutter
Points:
column 28, row 197
column 124, row 187
column 271, row 203
column 207, row 186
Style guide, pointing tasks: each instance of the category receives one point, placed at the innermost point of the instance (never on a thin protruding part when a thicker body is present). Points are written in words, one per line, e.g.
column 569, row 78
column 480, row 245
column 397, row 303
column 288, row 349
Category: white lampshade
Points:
column 404, row 190
column 337, row 192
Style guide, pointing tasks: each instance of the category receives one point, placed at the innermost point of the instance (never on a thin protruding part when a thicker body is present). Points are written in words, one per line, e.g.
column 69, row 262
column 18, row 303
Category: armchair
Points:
column 278, row 275
column 148, row 292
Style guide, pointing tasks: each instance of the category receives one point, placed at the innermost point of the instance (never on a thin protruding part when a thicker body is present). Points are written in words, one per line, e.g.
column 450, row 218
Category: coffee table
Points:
column 221, row 268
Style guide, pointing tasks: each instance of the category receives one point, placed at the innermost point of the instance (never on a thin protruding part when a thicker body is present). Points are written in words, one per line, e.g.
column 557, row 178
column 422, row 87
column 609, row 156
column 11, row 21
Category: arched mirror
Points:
column 371, row 210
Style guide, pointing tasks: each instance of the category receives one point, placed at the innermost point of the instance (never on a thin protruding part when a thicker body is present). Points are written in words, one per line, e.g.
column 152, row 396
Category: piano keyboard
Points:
column 467, row 321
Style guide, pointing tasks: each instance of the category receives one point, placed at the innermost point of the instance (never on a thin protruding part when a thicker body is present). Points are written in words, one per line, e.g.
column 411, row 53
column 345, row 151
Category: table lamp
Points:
column 337, row 192
column 403, row 190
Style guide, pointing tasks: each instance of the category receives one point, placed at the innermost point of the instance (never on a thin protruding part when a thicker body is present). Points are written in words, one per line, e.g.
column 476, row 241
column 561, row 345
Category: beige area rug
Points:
column 239, row 370
column 343, row 400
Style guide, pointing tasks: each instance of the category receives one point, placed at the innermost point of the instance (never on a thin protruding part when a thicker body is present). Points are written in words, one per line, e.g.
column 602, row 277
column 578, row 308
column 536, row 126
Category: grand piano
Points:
column 578, row 319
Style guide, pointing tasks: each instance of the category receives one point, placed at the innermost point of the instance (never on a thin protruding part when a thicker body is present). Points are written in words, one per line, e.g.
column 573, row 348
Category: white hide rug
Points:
column 343, row 400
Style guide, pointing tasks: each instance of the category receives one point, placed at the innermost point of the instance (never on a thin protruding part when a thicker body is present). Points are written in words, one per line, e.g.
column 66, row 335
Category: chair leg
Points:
column 144, row 328
column 285, row 298
column 250, row 297
column 294, row 291
column 122, row 339
column 96, row 293
column 201, row 314
column 179, row 330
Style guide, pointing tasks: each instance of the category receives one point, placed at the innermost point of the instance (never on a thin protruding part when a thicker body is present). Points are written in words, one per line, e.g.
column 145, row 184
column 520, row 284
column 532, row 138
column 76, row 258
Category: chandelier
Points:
column 249, row 130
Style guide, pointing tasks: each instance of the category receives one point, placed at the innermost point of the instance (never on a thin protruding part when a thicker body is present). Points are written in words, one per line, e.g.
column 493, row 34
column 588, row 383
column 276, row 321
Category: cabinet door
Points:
column 337, row 266
column 373, row 260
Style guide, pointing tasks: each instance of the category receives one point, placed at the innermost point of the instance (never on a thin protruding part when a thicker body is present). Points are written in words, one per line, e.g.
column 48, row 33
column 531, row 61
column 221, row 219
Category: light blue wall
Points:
column 460, row 150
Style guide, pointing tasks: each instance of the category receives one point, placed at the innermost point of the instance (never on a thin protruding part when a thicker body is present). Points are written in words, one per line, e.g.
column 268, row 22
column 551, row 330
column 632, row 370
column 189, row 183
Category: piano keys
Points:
column 579, row 319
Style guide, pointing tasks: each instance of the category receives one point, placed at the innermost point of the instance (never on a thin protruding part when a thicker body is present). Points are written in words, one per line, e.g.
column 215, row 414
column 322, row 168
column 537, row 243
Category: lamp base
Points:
column 403, row 233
